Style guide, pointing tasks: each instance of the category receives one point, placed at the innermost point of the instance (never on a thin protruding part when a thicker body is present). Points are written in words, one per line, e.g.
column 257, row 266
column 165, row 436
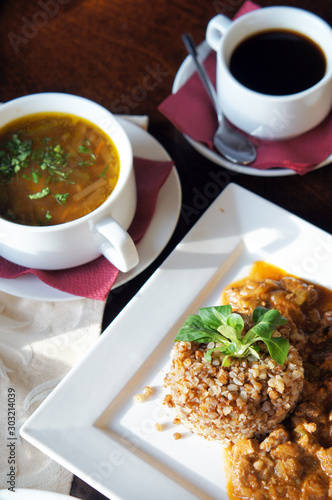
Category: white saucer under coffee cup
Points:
column 263, row 115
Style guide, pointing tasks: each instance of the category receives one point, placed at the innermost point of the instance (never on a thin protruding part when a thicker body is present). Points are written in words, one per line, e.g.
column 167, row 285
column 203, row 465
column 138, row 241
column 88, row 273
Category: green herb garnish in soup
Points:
column 54, row 168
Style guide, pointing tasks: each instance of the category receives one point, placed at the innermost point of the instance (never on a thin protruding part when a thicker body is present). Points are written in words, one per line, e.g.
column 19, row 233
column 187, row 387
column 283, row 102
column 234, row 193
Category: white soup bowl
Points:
column 102, row 231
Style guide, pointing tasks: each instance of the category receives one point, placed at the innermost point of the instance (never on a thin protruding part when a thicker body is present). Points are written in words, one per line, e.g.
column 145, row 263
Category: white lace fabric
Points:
column 39, row 343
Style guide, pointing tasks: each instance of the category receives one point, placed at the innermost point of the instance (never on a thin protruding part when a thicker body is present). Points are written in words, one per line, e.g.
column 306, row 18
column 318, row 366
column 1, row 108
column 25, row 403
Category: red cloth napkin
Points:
column 95, row 279
column 191, row 111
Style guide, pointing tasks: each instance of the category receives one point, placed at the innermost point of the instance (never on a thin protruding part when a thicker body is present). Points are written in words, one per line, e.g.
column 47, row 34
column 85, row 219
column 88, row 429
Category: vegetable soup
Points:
column 54, row 168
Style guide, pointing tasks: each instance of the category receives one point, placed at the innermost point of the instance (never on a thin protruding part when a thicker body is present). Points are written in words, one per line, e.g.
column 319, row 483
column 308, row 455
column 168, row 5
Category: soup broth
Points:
column 54, row 168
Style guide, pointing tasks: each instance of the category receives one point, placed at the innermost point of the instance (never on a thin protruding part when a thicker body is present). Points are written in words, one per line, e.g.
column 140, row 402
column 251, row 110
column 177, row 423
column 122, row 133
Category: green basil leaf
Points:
column 266, row 323
column 228, row 332
column 232, row 348
column 262, row 330
column 236, row 321
column 208, row 353
column 249, row 337
column 215, row 315
column 253, row 351
column 220, row 348
column 258, row 313
column 195, row 330
column 271, row 316
column 226, row 362
column 218, row 324
column 278, row 348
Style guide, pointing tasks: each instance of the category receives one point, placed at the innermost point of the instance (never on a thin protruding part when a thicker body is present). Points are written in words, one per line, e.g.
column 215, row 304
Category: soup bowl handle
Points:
column 116, row 245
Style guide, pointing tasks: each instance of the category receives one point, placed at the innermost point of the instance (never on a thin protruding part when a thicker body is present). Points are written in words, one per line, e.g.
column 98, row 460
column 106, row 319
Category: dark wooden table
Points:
column 104, row 50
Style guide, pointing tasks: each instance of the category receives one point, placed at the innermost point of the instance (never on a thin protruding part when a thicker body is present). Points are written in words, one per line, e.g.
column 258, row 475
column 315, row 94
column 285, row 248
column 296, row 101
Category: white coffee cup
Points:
column 262, row 115
column 101, row 232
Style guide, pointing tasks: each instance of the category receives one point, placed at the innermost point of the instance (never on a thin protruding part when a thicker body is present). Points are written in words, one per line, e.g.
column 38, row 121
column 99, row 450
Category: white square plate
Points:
column 91, row 424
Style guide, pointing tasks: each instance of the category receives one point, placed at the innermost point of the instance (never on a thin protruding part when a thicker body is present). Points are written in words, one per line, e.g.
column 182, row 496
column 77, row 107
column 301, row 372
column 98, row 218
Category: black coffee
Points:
column 278, row 62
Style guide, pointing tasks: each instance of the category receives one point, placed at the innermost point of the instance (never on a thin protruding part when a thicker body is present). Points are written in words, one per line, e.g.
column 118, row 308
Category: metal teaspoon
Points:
column 231, row 143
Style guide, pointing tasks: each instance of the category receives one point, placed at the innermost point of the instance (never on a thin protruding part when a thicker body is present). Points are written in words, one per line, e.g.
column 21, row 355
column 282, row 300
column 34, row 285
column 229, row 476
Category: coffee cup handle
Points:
column 116, row 245
column 216, row 29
